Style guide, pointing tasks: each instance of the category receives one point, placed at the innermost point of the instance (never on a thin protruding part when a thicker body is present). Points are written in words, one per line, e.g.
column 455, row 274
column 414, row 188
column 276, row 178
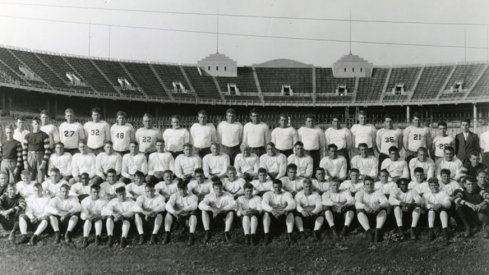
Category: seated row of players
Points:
column 230, row 134
column 293, row 200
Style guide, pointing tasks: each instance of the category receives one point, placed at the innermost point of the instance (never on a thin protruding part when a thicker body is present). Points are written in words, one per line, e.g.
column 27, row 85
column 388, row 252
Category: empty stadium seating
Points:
column 256, row 85
column 431, row 82
column 370, row 89
column 272, row 79
column 326, row 83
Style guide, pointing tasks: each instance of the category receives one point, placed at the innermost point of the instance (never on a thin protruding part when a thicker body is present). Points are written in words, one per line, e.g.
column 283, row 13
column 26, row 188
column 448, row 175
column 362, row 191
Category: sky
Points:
column 252, row 31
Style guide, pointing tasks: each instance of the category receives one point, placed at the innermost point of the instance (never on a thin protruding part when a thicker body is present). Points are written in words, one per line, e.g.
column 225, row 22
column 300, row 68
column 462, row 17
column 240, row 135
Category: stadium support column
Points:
column 475, row 118
column 347, row 114
column 408, row 115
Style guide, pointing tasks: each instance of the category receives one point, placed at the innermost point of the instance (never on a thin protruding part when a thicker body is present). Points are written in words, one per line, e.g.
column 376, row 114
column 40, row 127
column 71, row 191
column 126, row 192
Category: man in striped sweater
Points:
column 473, row 206
column 10, row 155
column 36, row 151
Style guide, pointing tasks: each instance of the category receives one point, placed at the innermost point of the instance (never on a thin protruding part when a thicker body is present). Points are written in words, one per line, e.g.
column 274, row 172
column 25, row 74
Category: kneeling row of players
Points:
column 150, row 209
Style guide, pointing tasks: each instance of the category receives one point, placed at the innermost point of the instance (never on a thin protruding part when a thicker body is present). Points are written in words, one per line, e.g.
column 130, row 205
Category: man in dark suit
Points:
column 466, row 143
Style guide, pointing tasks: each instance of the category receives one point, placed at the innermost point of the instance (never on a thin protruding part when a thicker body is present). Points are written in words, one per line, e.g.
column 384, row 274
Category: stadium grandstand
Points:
column 276, row 85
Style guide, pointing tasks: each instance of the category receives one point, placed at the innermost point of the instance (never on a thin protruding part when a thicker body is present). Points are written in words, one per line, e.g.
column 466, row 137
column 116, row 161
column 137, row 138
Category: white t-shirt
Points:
column 284, row 138
column 175, row 139
column 313, row 138
column 97, row 133
column 121, row 136
column 339, row 137
column 363, row 134
column 256, row 135
column 230, row 134
column 203, row 136
column 70, row 134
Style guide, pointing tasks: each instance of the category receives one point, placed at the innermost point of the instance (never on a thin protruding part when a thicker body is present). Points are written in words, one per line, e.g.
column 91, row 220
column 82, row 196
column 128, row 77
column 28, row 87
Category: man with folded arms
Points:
column 218, row 205
column 181, row 206
column 216, row 163
column 10, row 155
column 278, row 205
column 65, row 209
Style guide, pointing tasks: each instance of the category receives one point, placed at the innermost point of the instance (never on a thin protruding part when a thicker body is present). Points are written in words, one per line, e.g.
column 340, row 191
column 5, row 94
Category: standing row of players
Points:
column 292, row 200
column 308, row 147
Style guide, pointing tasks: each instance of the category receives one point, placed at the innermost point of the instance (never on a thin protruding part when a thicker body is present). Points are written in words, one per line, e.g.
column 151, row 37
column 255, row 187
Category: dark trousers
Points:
column 316, row 158
column 286, row 152
column 231, row 152
column 201, row 152
column 343, row 152
column 259, row 151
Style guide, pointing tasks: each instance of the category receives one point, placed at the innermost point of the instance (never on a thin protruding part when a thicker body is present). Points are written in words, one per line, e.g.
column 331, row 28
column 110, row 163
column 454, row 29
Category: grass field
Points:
column 354, row 255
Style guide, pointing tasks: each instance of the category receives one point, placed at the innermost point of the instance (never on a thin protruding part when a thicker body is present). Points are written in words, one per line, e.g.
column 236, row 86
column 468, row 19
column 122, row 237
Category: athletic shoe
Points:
column 247, row 239
column 68, row 237
column 23, row 239
column 57, row 237
column 317, row 235
column 33, row 240
column 167, row 238
column 109, row 241
column 97, row 240
column 412, row 234
column 141, row 239
column 254, row 239
column 11, row 236
column 227, row 236
column 85, row 242
column 123, row 242
column 335, row 234
column 431, row 234
column 207, row 236
column 377, row 235
column 344, row 231
column 191, row 239
column 152, row 239
column 266, row 239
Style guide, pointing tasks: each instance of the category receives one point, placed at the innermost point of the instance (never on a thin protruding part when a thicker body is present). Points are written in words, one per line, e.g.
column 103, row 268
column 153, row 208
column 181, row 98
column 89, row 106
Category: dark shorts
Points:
column 195, row 212
column 202, row 152
column 231, row 152
column 259, row 151
column 220, row 216
column 96, row 151
column 175, row 154
column 11, row 223
column 343, row 211
column 287, row 152
column 308, row 220
column 31, row 224
column 71, row 151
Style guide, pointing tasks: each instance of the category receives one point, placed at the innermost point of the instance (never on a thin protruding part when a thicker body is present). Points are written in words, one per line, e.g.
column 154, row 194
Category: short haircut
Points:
column 96, row 110
column 182, row 184
column 262, row 170
column 139, row 174
column 332, row 145
column 442, row 123
column 109, row 142
column 36, row 119
column 168, row 172
column 384, row 171
column 307, row 180
column 474, row 153
column 445, row 172
column 202, row 112
column 388, row 115
column 433, row 180
column 320, row 169
column 393, row 149
column 416, row 114
column 368, row 178
column 299, row 143
column 231, row 168
column 97, row 181
column 20, row 118
column 254, row 111
column 247, row 185
column 230, row 111
column 216, row 182
column 271, row 144
column 38, row 185
column 44, row 112
column 59, row 144
column 354, row 170
column 364, row 145
column 466, row 120
column 291, row 166
column 65, row 186
column 86, row 175
column 95, row 187
column 69, row 110
column 309, row 115
column 469, row 179
column 111, row 171
column 199, row 171
column 402, row 181
column 189, row 145
column 121, row 113
column 148, row 115
column 176, row 116
column 449, row 148
column 418, row 170
column 12, row 185
column 134, row 142
column 336, row 179
column 283, row 115
column 150, row 185
column 422, row 149
column 362, row 112
column 277, row 181
column 54, row 169
column 120, row 189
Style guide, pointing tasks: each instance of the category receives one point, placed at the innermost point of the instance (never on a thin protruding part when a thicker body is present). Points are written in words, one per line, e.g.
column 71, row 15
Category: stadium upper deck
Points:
column 262, row 86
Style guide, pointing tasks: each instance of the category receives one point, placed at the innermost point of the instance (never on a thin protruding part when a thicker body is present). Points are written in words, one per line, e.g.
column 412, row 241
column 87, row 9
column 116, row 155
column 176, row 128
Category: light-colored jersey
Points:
column 339, row 137
column 70, row 134
column 146, row 139
column 121, row 136
column 97, row 133
column 386, row 138
column 440, row 143
column 363, row 134
column 417, row 137
column 53, row 133
column 175, row 139
column 284, row 138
